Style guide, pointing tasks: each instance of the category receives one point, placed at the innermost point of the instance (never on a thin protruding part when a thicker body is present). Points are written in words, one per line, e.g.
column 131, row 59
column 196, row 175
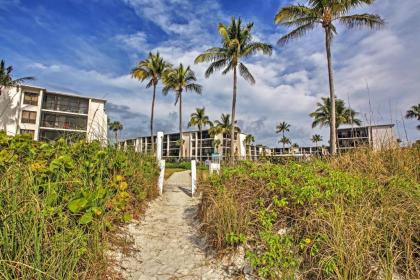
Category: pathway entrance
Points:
column 167, row 242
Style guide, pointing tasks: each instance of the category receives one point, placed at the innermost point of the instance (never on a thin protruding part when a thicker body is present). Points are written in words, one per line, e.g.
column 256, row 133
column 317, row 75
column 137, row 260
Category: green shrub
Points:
column 60, row 203
column 355, row 217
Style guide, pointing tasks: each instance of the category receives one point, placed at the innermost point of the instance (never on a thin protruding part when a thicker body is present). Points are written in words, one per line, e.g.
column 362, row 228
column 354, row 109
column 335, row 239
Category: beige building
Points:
column 218, row 144
column 375, row 136
column 49, row 115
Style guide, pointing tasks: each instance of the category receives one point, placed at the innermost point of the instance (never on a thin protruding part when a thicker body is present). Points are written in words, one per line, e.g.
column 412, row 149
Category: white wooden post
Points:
column 159, row 143
column 161, row 176
column 193, row 176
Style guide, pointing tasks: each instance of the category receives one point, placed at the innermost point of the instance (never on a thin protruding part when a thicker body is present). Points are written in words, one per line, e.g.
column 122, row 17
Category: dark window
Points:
column 64, row 121
column 30, row 98
column 28, row 117
column 28, row 131
column 66, row 103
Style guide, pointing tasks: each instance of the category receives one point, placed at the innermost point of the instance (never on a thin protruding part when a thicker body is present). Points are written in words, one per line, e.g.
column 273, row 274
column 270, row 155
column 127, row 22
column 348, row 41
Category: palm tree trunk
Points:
column 181, row 142
column 333, row 135
column 283, row 143
column 201, row 143
column 116, row 138
column 151, row 118
column 232, row 130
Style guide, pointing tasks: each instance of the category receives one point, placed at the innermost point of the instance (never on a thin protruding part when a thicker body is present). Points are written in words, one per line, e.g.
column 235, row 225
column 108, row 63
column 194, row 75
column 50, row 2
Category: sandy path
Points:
column 167, row 244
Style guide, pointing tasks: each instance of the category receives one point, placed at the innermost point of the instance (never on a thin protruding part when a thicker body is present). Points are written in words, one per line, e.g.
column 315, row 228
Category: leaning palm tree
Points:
column 237, row 44
column 326, row 13
column 322, row 115
column 151, row 69
column 6, row 79
column 316, row 138
column 249, row 139
column 200, row 119
column 414, row 113
column 179, row 80
column 282, row 128
column 116, row 127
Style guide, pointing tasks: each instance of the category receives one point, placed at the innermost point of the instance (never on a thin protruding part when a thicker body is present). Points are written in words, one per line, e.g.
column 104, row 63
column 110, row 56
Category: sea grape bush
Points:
column 317, row 220
column 59, row 203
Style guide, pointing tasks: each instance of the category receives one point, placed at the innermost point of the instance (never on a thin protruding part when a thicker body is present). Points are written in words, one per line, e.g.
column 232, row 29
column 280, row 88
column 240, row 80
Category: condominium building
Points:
column 49, row 115
column 375, row 136
column 191, row 148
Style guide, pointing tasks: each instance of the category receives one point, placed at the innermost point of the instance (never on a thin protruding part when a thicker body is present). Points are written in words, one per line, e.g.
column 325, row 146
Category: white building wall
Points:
column 242, row 147
column 383, row 137
column 97, row 128
column 9, row 110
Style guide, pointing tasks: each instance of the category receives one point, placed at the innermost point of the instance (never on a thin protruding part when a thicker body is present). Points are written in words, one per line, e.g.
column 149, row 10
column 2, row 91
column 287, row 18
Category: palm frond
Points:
column 361, row 20
column 255, row 47
column 246, row 74
column 298, row 32
column 292, row 13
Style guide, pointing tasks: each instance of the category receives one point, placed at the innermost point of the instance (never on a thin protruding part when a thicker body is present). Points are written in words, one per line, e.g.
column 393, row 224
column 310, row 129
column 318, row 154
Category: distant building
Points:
column 192, row 145
column 48, row 115
column 375, row 136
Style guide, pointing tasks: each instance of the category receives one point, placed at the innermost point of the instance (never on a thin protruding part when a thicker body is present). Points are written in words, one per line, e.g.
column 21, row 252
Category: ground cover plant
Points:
column 60, row 204
column 356, row 216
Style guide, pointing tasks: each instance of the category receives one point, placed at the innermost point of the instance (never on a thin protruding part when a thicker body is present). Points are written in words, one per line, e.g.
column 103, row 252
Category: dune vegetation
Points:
column 355, row 216
column 60, row 205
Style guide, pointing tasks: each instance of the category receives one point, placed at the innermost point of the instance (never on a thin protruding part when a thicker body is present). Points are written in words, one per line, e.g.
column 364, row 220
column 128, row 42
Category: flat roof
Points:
column 367, row 126
column 65, row 93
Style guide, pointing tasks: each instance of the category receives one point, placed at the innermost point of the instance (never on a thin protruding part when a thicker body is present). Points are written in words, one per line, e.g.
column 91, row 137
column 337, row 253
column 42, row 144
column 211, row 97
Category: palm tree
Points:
column 216, row 144
column 282, row 128
column 178, row 80
column 414, row 113
column 200, row 119
column 344, row 115
column 284, row 140
column 316, row 138
column 116, row 127
column 326, row 13
column 6, row 79
column 249, row 139
column 151, row 69
column 224, row 125
column 237, row 44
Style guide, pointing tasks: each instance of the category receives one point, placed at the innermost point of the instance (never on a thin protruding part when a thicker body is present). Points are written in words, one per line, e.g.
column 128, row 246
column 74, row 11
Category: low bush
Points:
column 356, row 216
column 60, row 203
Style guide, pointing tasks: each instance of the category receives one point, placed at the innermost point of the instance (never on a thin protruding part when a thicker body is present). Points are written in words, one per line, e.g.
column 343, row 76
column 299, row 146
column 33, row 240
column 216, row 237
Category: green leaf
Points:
column 86, row 218
column 77, row 205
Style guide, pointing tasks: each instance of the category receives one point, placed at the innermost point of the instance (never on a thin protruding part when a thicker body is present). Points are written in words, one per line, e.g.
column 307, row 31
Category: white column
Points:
column 161, row 175
column 159, row 143
column 193, row 176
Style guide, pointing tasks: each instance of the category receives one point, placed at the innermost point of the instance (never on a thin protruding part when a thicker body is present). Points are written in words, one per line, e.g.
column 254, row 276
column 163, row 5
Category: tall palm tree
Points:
column 200, row 119
column 151, row 69
column 116, row 127
column 249, row 139
column 414, row 113
column 6, row 79
column 237, row 44
column 326, row 12
column 322, row 115
column 178, row 80
column 282, row 128
column 316, row 138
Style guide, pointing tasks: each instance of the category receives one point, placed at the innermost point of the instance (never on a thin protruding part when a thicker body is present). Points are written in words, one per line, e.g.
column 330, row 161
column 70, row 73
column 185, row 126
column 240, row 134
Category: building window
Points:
column 66, row 103
column 30, row 98
column 54, row 120
column 28, row 131
column 28, row 117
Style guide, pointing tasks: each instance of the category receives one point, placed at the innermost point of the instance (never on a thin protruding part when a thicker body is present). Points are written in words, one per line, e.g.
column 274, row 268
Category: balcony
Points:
column 65, row 104
column 53, row 120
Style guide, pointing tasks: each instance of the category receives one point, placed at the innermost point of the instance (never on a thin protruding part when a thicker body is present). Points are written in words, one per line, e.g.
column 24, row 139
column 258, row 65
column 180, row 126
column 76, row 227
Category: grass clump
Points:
column 353, row 217
column 60, row 203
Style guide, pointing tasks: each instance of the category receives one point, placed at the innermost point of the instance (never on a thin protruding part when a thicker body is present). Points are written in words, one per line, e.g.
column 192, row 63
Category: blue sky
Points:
column 89, row 47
